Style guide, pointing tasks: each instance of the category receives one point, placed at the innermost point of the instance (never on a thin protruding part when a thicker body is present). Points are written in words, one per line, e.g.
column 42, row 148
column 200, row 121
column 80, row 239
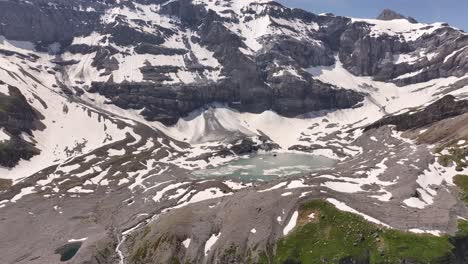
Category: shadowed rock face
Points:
column 16, row 117
column 362, row 53
column 40, row 22
column 444, row 108
column 170, row 102
column 366, row 55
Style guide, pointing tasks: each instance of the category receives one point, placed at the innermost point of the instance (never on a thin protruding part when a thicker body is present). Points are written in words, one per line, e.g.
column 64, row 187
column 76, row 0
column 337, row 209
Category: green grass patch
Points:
column 462, row 182
column 456, row 156
column 335, row 236
column 462, row 228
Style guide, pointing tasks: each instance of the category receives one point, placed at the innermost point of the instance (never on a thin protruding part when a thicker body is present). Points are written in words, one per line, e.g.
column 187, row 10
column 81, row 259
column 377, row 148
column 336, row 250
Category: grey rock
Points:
column 388, row 14
column 17, row 117
column 446, row 107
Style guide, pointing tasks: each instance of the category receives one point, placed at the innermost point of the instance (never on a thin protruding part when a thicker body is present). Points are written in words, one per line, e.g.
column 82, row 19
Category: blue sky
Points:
column 455, row 12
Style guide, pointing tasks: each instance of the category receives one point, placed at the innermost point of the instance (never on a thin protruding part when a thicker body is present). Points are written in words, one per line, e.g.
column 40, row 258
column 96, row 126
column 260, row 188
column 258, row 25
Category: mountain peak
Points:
column 388, row 14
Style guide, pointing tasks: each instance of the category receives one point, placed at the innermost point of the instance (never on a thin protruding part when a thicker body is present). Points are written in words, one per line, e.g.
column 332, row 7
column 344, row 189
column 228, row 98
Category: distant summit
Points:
column 388, row 14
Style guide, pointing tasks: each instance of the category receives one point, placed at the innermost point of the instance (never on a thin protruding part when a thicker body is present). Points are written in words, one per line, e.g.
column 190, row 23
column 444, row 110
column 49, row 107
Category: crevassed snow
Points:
column 291, row 224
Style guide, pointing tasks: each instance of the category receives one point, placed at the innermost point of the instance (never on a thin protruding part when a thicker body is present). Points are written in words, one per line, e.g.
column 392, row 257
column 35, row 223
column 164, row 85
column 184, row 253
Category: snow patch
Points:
column 343, row 207
column 291, row 224
column 210, row 242
column 186, row 242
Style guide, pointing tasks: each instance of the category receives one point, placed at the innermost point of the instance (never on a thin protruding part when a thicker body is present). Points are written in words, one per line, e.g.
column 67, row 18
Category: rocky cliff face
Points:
column 257, row 52
column 388, row 14
column 446, row 107
column 17, row 119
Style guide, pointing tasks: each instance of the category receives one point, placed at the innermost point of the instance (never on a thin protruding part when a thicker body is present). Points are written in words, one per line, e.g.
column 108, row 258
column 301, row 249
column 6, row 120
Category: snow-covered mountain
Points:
column 108, row 106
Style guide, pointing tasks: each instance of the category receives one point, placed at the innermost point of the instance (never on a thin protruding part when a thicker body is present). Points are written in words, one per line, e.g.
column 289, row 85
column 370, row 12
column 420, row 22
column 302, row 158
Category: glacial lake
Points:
column 268, row 166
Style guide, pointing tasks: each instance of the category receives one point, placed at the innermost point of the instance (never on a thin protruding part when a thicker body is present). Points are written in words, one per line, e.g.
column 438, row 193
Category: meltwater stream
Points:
column 268, row 166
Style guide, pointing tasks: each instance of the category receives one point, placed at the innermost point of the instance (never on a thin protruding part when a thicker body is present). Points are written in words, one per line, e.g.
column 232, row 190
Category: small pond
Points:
column 268, row 166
